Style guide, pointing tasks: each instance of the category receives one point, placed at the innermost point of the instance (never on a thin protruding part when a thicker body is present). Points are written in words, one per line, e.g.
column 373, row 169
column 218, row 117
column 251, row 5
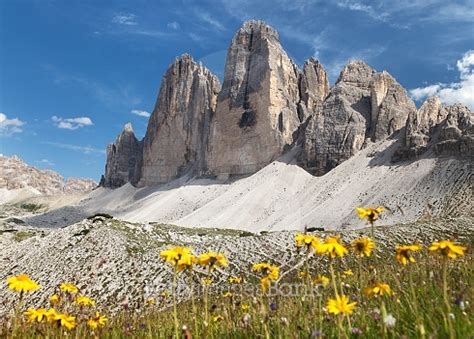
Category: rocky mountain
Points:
column 124, row 159
column 267, row 106
column 257, row 108
column 15, row 174
column 363, row 106
column 177, row 135
column 449, row 130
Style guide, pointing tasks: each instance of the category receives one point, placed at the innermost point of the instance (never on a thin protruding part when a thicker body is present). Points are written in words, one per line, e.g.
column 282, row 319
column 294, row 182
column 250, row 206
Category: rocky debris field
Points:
column 118, row 264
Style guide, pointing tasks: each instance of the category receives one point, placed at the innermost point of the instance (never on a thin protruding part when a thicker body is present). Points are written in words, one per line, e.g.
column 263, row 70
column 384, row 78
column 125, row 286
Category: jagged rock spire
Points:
column 176, row 137
column 257, row 109
column 123, row 159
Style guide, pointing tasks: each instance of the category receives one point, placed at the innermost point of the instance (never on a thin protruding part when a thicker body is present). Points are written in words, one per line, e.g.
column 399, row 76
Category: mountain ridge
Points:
column 268, row 105
column 15, row 174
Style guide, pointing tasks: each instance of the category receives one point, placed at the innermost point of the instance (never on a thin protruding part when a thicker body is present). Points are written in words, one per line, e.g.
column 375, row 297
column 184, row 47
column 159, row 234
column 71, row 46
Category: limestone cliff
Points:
column 363, row 105
column 268, row 105
column 447, row 130
column 257, row 109
column 177, row 134
column 123, row 160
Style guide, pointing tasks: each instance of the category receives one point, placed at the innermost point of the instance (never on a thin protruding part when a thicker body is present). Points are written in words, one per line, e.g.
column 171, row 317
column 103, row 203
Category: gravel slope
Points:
column 118, row 263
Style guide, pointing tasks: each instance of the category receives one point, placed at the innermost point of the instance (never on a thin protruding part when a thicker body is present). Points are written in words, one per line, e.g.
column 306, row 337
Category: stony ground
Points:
column 118, row 263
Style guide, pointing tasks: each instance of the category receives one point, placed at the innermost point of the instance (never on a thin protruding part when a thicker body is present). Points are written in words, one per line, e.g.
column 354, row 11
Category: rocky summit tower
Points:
column 177, row 133
column 257, row 110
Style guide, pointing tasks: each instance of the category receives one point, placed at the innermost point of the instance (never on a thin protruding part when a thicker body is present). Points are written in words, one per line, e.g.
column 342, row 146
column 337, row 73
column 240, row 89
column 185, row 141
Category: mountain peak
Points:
column 128, row 127
column 356, row 71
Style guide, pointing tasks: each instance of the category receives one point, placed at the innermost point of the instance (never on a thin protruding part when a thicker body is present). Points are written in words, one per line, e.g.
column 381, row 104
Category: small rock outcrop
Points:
column 447, row 130
column 363, row 106
column 314, row 88
column 124, row 158
column 17, row 174
column 257, row 110
column 77, row 185
column 177, row 134
column 390, row 106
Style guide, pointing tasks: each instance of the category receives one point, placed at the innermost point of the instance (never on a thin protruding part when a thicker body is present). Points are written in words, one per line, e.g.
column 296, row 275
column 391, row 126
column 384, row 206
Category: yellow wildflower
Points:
column 403, row 253
column 22, row 283
column 54, row 299
column 304, row 275
column 347, row 273
column 378, row 289
column 307, row 240
column 150, row 301
column 340, row 305
column 235, row 280
column 447, row 248
column 51, row 315
column 369, row 213
column 207, row 281
column 212, row 259
column 217, row 318
column 333, row 247
column 363, row 246
column 36, row 314
column 265, row 283
column 245, row 307
column 180, row 257
column 271, row 271
column 321, row 280
column 66, row 321
column 84, row 301
column 97, row 321
column 69, row 288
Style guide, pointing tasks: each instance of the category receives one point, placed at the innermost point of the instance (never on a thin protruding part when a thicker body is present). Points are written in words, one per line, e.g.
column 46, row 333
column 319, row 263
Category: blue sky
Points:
column 72, row 73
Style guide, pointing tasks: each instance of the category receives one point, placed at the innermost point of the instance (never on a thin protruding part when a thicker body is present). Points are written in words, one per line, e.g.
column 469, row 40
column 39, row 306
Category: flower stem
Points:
column 419, row 322
column 333, row 277
column 175, row 309
column 384, row 315
column 446, row 297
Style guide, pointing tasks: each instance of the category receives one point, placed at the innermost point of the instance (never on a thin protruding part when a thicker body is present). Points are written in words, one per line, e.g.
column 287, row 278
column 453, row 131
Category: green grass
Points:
column 22, row 235
column 31, row 207
column 416, row 303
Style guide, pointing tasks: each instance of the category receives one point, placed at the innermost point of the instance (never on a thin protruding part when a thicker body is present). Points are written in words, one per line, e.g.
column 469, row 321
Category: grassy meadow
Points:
column 337, row 290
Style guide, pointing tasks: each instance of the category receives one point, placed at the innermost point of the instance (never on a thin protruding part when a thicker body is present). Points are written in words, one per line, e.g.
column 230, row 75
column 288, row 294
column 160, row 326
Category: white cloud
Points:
column 76, row 148
column 360, row 7
column 173, row 25
column 423, row 92
column 71, row 123
column 126, row 19
column 140, row 113
column 456, row 92
column 207, row 18
column 10, row 126
column 45, row 162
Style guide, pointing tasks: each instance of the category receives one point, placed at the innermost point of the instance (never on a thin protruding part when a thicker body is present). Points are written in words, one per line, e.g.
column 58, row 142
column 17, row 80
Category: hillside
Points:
column 282, row 196
column 20, row 181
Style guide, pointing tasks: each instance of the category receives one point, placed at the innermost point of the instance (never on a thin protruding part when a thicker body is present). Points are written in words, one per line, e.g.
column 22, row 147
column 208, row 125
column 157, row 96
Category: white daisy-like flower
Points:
column 389, row 320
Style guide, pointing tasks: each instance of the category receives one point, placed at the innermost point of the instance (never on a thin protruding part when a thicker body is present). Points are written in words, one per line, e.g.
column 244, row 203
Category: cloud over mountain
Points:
column 71, row 123
column 462, row 91
column 10, row 126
